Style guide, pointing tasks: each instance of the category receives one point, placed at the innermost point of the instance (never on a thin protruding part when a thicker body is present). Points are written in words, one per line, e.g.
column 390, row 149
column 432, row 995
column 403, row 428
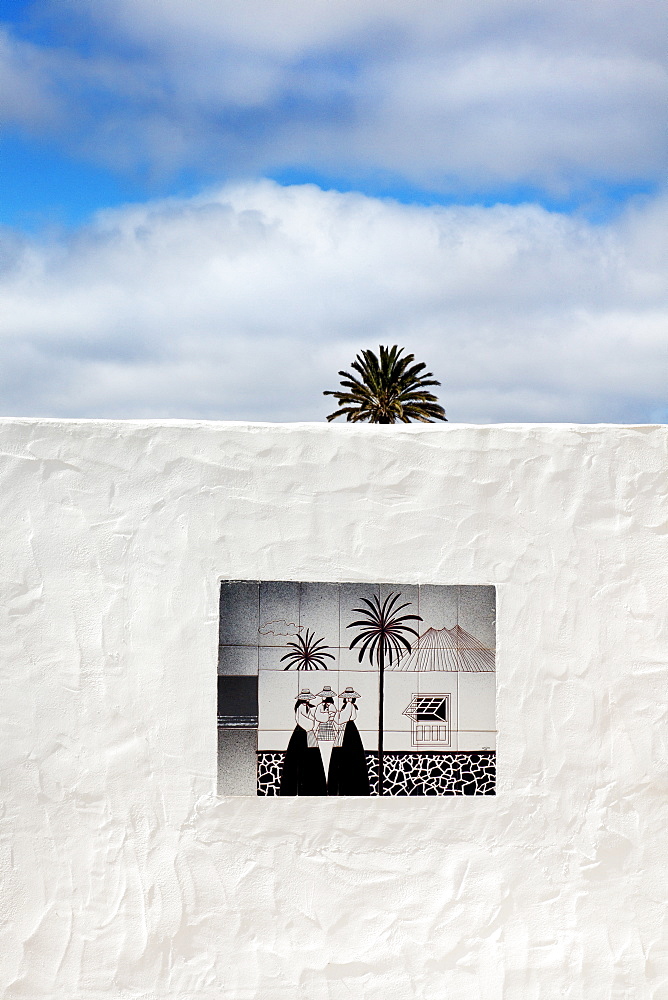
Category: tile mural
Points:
column 356, row 689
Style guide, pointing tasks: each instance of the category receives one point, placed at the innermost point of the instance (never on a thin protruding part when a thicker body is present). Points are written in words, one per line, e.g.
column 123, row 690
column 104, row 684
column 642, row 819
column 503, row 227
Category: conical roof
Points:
column 447, row 649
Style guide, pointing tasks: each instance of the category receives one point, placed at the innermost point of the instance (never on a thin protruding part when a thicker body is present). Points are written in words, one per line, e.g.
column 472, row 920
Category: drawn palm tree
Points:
column 390, row 389
column 382, row 637
column 308, row 653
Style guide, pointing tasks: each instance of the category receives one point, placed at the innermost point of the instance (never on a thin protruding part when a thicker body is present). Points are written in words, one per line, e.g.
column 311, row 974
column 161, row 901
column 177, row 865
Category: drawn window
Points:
column 430, row 718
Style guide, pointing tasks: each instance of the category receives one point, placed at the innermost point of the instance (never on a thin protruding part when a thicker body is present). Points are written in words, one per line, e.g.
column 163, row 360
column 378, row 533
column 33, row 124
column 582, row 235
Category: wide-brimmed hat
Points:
column 349, row 693
column 305, row 694
column 326, row 692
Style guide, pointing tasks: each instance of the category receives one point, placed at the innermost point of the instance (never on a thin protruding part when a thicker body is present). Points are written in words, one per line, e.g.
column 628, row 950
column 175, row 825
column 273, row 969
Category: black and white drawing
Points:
column 403, row 701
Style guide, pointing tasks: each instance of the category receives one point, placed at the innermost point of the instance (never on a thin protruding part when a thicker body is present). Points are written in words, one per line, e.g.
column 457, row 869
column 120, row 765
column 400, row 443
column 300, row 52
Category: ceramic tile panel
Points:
column 365, row 684
column 454, row 743
column 349, row 660
column 274, row 739
column 238, row 659
column 433, row 685
column 476, row 740
column 369, row 738
column 446, row 681
column 325, row 686
column 279, row 613
column 437, row 607
column 319, row 612
column 477, row 701
column 400, row 689
column 476, row 613
column 239, row 613
column 271, row 657
column 351, row 596
column 438, row 701
column 237, row 761
column 293, row 658
column 407, row 594
column 278, row 691
column 238, row 700
column 397, row 740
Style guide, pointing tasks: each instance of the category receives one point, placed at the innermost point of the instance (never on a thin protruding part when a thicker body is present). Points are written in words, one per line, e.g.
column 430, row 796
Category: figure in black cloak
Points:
column 348, row 774
column 326, row 728
column 303, row 773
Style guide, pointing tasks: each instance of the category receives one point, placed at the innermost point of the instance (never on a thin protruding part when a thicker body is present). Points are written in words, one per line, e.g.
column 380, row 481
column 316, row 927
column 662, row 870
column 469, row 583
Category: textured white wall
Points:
column 123, row 875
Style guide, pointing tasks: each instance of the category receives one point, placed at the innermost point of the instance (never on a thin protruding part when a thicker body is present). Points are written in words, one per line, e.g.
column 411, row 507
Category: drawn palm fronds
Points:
column 307, row 653
column 383, row 632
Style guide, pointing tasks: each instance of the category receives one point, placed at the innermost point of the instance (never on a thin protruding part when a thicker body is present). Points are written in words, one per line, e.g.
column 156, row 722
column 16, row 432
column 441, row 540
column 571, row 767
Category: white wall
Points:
column 124, row 876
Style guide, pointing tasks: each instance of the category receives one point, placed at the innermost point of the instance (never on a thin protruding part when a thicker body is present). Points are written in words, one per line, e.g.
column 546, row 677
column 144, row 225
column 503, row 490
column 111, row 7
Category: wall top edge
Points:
column 341, row 428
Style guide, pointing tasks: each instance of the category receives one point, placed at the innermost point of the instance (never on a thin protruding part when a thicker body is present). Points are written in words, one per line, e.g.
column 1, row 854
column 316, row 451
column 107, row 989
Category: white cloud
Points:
column 26, row 96
column 243, row 304
column 510, row 114
column 292, row 27
column 456, row 96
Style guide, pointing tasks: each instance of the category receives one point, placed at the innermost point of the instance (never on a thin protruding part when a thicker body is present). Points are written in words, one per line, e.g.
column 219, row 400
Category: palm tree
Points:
column 307, row 653
column 390, row 389
column 383, row 637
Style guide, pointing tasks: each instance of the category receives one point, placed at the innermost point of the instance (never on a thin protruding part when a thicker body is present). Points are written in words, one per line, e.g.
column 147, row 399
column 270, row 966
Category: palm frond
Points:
column 390, row 387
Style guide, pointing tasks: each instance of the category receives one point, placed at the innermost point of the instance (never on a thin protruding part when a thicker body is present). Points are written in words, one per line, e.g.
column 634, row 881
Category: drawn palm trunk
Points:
column 381, row 718
column 382, row 636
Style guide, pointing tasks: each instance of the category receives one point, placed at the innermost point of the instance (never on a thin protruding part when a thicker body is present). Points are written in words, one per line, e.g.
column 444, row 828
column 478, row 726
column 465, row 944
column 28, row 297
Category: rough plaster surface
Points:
column 122, row 873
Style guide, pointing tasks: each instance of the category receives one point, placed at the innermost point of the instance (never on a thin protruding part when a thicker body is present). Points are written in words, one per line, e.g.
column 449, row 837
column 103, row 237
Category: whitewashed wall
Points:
column 123, row 875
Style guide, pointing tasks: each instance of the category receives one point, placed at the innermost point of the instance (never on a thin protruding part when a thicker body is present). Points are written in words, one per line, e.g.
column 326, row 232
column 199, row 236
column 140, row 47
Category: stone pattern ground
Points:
column 407, row 773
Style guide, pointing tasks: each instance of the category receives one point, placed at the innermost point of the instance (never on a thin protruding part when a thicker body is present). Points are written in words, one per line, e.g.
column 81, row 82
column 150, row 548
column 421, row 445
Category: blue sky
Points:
column 498, row 133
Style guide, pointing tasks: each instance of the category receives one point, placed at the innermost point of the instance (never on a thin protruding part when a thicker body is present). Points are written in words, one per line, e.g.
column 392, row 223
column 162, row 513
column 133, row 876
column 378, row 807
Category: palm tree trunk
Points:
column 381, row 721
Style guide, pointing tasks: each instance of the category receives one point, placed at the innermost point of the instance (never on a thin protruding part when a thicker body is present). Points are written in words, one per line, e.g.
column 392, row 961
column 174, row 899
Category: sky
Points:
column 208, row 208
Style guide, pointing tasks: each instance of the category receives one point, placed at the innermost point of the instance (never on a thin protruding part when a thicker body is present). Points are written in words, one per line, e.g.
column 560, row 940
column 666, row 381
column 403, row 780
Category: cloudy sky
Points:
column 208, row 207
